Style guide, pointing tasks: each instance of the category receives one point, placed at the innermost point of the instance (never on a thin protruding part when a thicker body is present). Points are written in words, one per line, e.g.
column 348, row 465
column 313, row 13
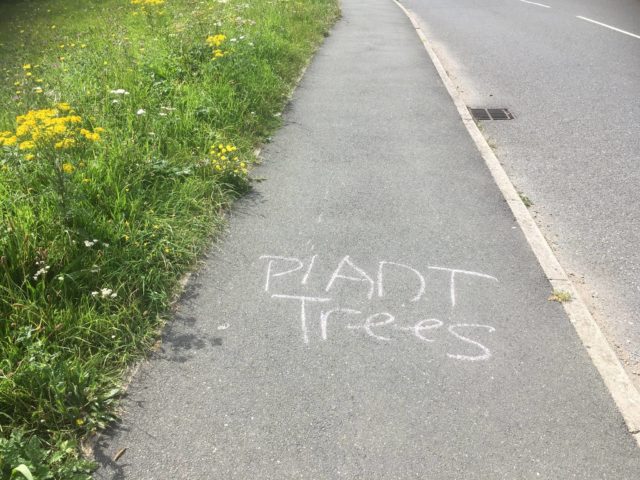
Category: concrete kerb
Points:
column 624, row 393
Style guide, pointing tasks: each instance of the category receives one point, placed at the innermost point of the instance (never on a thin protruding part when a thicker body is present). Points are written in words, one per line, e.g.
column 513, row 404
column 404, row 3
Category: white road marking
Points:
column 537, row 4
column 608, row 26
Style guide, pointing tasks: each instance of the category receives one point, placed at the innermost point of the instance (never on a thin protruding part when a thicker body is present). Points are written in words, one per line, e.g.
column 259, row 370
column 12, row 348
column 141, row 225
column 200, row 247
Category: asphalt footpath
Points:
column 373, row 310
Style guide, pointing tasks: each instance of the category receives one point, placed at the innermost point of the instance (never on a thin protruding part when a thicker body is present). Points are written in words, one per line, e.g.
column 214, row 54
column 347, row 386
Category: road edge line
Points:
column 616, row 379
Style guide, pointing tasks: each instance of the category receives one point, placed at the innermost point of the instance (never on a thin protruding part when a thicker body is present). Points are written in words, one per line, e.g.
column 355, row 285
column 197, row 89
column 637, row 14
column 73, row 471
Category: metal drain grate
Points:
column 491, row 114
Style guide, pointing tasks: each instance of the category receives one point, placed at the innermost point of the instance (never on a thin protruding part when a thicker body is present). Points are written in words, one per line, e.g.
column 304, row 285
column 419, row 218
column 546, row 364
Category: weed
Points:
column 560, row 296
column 525, row 200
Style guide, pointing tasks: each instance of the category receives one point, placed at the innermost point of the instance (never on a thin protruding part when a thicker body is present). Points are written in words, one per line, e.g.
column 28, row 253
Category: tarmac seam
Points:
column 616, row 379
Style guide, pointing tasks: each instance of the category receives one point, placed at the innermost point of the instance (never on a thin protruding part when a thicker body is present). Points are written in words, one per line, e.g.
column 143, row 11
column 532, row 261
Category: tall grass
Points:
column 94, row 237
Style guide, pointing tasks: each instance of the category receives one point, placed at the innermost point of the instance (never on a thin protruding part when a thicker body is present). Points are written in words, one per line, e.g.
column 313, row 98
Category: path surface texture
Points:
column 373, row 311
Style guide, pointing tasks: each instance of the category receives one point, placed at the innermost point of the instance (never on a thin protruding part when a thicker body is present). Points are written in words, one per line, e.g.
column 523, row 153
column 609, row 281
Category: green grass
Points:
column 94, row 238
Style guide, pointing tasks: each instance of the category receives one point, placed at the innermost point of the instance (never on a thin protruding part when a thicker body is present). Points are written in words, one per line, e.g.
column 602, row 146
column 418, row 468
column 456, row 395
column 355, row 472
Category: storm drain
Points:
column 491, row 114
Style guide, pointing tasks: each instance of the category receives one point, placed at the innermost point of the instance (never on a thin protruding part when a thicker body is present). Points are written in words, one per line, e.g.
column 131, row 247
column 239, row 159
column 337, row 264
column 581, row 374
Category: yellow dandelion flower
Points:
column 65, row 143
column 215, row 40
column 9, row 141
column 26, row 145
column 68, row 168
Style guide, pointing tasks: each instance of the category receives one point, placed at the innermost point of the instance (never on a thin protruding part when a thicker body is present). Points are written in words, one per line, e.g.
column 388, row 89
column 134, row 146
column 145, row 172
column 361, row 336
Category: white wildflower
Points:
column 89, row 243
column 141, row 111
column 119, row 91
column 107, row 292
column 42, row 271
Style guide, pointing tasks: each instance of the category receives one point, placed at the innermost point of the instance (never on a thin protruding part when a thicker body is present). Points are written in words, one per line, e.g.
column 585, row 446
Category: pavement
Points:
column 373, row 310
column 573, row 86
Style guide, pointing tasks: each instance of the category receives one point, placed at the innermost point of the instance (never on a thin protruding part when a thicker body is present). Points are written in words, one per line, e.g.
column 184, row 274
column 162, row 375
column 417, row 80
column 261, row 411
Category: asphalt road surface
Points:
column 574, row 147
column 374, row 311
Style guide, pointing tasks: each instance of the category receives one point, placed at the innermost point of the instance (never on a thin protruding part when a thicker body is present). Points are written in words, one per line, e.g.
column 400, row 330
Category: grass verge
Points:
column 125, row 128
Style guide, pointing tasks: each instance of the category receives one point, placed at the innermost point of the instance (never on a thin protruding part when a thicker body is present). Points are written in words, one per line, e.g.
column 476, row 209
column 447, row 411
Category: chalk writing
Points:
column 303, row 314
column 362, row 278
column 486, row 353
column 452, row 281
column 411, row 269
column 273, row 258
column 376, row 325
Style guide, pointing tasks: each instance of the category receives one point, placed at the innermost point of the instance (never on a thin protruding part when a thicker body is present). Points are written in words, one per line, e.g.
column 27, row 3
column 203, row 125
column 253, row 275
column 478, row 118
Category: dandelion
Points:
column 68, row 168
column 216, row 40
column 225, row 163
column 79, row 422
column 58, row 127
column 8, row 139
column 65, row 143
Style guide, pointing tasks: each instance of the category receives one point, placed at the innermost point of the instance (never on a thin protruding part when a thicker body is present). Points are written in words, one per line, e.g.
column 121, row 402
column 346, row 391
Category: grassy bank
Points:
column 125, row 128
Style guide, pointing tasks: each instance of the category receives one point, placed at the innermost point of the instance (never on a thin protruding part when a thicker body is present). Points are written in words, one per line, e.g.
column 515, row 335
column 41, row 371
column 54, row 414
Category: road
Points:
column 373, row 311
column 574, row 147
